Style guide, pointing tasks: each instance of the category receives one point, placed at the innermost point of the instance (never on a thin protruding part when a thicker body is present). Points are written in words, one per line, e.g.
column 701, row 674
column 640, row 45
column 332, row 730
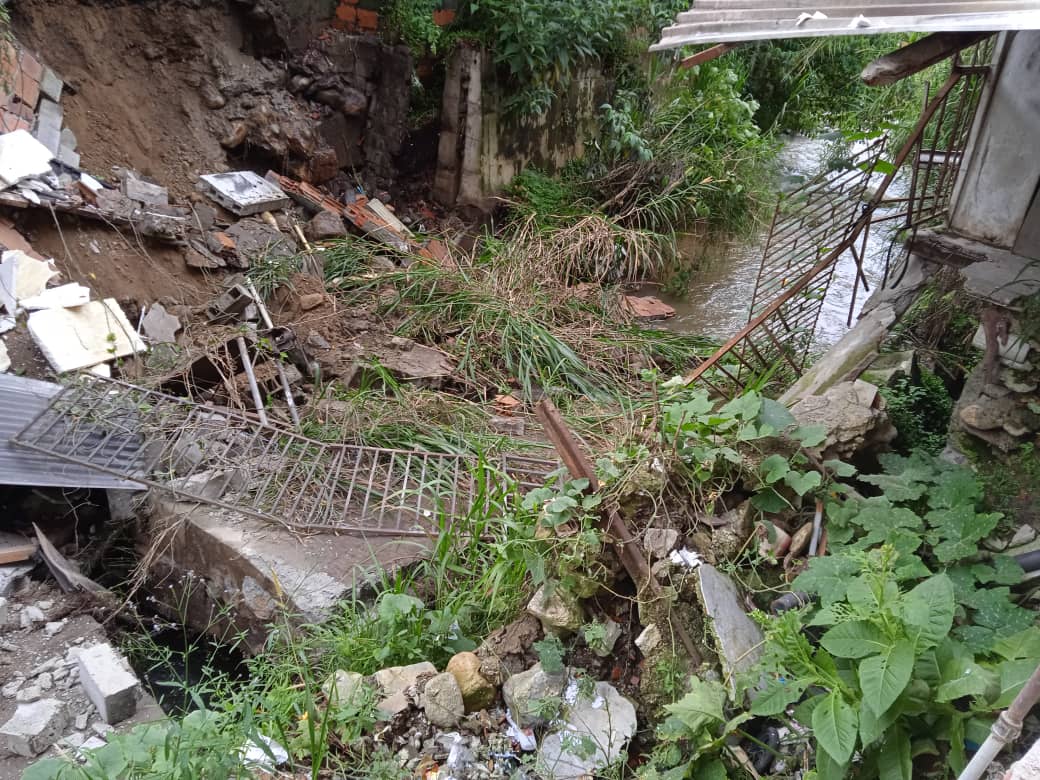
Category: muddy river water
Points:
column 719, row 298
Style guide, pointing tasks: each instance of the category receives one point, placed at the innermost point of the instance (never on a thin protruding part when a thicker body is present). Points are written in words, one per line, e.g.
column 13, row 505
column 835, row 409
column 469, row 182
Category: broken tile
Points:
column 244, row 192
column 84, row 336
column 63, row 297
column 159, row 326
column 22, row 156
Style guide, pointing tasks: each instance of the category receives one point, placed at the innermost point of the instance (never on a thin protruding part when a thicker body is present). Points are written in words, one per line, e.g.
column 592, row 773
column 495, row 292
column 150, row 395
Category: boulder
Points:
column 853, row 414
column 523, row 692
column 987, row 414
column 442, row 700
column 594, row 733
column 558, row 611
column 477, row 691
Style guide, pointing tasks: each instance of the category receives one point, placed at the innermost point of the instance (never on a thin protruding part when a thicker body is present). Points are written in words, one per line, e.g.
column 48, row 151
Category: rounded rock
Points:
column 477, row 692
column 442, row 700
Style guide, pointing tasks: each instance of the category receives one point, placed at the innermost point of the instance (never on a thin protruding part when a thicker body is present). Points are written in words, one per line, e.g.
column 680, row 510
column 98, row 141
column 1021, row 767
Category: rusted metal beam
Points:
column 579, row 466
column 707, row 55
column 916, row 56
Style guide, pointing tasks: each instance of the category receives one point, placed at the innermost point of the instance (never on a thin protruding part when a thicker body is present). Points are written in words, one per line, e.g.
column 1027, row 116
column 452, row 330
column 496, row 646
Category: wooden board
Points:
column 14, row 548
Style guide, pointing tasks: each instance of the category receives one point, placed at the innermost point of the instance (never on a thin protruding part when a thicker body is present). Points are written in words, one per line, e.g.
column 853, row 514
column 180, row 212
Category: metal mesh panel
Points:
column 224, row 458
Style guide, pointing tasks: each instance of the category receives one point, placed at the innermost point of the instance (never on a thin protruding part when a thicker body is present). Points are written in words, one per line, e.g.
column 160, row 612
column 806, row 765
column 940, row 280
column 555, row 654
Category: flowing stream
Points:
column 719, row 298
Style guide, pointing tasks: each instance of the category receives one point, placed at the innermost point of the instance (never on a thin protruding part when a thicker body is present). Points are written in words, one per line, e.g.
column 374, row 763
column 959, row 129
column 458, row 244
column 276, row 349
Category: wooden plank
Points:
column 708, row 55
column 14, row 548
column 917, row 56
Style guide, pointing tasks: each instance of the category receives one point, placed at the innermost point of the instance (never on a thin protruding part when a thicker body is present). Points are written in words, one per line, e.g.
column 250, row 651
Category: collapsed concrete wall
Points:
column 483, row 146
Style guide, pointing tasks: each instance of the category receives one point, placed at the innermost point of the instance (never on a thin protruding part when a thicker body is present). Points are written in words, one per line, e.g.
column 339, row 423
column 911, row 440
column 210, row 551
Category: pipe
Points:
column 817, row 527
column 1006, row 728
column 247, row 364
column 286, row 389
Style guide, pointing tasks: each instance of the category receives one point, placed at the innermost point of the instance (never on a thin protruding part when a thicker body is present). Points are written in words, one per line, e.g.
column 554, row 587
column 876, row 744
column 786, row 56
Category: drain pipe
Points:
column 1006, row 729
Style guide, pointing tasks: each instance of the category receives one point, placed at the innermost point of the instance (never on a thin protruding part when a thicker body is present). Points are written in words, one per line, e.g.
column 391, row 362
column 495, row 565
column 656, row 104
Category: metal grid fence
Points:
column 221, row 457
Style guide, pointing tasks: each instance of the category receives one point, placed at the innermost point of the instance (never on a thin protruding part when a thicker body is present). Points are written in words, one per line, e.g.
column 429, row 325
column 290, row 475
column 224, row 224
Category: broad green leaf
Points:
column 958, row 487
column 928, row 608
column 1005, row 571
column 702, row 707
column 803, row 711
column 883, row 677
column 746, row 406
column 829, row 769
column 996, row 614
column 977, row 729
column 962, row 677
column 896, row 487
column 711, row 770
column 884, row 167
column 855, row 639
column 840, row 468
column 769, row 501
column 810, row 435
column 955, row 736
column 835, row 725
column 1024, row 644
column 828, row 577
column 1013, row 675
column 394, row 605
column 774, row 468
column 956, row 531
column 893, row 760
column 778, row 696
column 775, row 415
column 803, row 483
column 871, row 727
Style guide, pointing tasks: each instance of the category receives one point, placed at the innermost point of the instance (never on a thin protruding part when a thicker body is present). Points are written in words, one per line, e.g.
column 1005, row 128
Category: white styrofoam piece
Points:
column 7, row 323
column 64, row 297
column 84, row 336
column 22, row 156
column 21, row 277
column 5, row 360
column 244, row 192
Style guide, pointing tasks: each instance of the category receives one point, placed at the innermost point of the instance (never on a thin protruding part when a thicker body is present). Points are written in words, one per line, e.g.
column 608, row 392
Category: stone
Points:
column 49, row 119
column 108, row 682
column 159, row 326
column 647, row 308
column 649, row 639
column 524, row 691
column 255, row 239
column 11, row 688
column 987, row 414
column 594, row 734
column 1024, row 535
column 45, row 681
column 325, row 225
column 442, row 700
column 144, row 191
column 394, row 682
column 342, row 687
column 34, row 727
column 853, row 413
column 32, row 615
column 1018, row 384
column 82, row 720
column 4, row 616
column 311, row 301
column 507, row 426
column 1027, row 767
column 50, row 85
column 316, row 340
column 211, row 95
column 1013, row 352
column 611, row 634
column 738, row 639
column 477, row 691
column 660, row 541
column 84, row 336
column 29, row 693
column 244, row 192
column 11, row 574
column 889, row 367
column 557, row 610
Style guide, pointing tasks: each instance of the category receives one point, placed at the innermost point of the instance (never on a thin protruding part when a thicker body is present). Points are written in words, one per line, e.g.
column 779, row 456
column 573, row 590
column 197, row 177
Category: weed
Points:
column 920, row 412
column 268, row 271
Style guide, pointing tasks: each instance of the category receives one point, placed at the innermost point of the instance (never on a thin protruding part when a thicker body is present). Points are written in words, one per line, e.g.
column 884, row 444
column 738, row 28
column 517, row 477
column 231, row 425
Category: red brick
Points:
column 10, row 122
column 443, row 17
column 367, row 20
column 346, row 13
column 27, row 89
column 18, row 108
column 30, row 65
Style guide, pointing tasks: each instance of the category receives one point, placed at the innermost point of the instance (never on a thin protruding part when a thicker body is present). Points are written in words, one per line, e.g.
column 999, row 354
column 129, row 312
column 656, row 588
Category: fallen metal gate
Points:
column 221, row 457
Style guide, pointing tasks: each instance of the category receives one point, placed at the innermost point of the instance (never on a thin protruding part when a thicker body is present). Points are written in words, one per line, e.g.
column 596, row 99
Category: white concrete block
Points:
column 108, row 682
column 34, row 727
column 244, row 192
column 62, row 297
column 21, row 277
column 22, row 156
column 84, row 336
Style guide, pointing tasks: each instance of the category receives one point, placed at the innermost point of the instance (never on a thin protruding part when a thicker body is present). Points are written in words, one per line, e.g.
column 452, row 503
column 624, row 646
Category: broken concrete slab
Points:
column 738, row 639
column 50, row 85
column 21, row 277
column 647, row 308
column 244, row 192
column 34, row 727
column 21, row 157
column 109, row 684
column 593, row 735
column 12, row 574
column 254, row 239
column 84, row 336
column 853, row 413
column 159, row 326
column 144, row 191
column 49, row 118
column 62, row 297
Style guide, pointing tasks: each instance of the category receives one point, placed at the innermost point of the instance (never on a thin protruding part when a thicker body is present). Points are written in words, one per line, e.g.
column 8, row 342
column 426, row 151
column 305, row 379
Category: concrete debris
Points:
column 395, row 682
column 558, row 611
column 22, row 157
column 84, row 336
column 342, row 687
column 49, row 118
column 649, row 639
column 854, row 416
column 108, row 682
column 244, row 192
column 31, row 614
column 987, row 414
column 477, row 691
column 50, row 85
column 159, row 326
column 1014, row 352
column 442, row 700
column 738, row 639
column 65, row 296
column 22, row 277
column 144, row 191
column 593, row 735
column 12, row 574
column 325, row 225
column 34, row 727
column 230, row 305
column 889, row 367
column 4, row 615
column 316, row 340
column 524, row 691
column 253, row 239
column 658, row 542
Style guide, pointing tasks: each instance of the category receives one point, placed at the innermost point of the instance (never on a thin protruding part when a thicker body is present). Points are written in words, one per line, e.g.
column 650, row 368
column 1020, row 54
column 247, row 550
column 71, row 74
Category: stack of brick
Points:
column 362, row 16
column 32, row 101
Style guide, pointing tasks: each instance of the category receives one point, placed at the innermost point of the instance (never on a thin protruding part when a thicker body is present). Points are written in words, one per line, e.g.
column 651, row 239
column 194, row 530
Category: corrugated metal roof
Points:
column 21, row 400
column 730, row 21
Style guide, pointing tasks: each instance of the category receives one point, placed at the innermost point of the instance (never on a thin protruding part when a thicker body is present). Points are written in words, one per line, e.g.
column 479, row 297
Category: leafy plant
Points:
column 920, row 412
column 412, row 22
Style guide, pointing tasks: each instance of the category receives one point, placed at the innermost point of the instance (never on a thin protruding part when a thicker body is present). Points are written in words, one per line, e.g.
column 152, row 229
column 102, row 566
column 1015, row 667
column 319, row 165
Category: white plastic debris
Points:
column 804, row 17
column 266, row 760
column 523, row 737
column 84, row 336
column 7, row 323
column 22, row 156
column 859, row 21
column 63, row 297
column 686, row 558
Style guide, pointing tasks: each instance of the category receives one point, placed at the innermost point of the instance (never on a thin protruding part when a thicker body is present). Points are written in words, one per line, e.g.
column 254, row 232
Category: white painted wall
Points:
column 999, row 177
